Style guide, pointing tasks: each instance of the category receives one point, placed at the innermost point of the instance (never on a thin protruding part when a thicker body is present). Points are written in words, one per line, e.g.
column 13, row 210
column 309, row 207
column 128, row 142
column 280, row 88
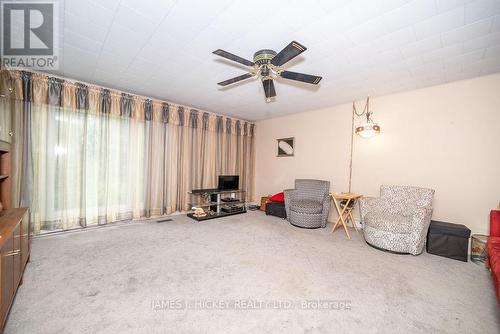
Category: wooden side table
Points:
column 345, row 212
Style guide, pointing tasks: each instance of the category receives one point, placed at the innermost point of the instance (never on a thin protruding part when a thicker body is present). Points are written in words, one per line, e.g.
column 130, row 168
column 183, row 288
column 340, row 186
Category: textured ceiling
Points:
column 162, row 48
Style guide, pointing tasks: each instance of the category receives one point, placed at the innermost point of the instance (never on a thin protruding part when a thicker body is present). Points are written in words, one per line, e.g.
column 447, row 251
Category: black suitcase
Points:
column 276, row 209
column 448, row 240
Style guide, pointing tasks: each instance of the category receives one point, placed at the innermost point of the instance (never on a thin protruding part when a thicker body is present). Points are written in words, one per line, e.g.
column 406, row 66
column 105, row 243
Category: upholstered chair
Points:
column 308, row 204
column 398, row 220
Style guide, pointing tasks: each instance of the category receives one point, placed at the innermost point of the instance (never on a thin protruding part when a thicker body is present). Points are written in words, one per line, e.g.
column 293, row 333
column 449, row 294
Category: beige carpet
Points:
column 243, row 274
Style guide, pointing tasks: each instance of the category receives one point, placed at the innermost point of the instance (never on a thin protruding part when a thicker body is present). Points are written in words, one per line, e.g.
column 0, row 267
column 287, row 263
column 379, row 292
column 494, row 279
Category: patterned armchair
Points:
column 398, row 220
column 308, row 204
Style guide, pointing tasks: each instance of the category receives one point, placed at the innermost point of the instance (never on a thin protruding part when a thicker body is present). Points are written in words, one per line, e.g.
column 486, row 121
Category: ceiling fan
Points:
column 267, row 64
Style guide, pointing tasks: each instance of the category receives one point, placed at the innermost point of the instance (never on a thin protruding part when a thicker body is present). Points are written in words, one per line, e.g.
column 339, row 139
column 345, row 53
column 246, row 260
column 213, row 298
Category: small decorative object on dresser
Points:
column 286, row 147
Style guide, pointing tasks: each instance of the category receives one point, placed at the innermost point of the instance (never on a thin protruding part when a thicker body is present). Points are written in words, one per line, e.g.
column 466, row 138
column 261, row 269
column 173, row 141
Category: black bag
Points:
column 448, row 240
column 276, row 209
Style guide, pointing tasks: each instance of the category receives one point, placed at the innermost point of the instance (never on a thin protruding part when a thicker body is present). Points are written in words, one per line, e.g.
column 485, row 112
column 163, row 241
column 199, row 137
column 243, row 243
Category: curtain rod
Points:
column 121, row 91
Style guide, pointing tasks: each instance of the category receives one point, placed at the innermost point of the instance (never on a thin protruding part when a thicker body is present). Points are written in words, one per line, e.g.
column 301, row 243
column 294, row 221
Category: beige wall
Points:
column 444, row 137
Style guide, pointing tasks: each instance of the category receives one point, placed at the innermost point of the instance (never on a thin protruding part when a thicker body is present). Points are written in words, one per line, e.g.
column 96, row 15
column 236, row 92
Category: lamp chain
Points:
column 366, row 111
column 352, row 142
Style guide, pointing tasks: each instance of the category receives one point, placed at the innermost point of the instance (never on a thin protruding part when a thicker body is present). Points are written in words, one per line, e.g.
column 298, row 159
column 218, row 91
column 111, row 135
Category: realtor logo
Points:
column 30, row 34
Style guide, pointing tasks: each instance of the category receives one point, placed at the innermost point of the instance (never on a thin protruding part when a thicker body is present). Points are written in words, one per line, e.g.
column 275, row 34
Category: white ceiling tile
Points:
column 446, row 5
column 481, row 9
column 140, row 67
column 367, row 32
column 76, row 57
column 236, row 21
column 440, row 23
column 381, row 60
column 358, row 54
column 365, row 10
column 443, row 53
column 466, row 32
column 464, row 59
column 123, row 40
column 85, row 27
column 496, row 24
column 155, row 10
column 208, row 41
column 463, row 74
column 128, row 81
column 105, row 78
column 332, row 5
column 90, row 11
column 127, row 17
column 314, row 33
column 490, row 65
column 420, row 47
column 394, row 40
column 82, row 42
column 492, row 52
column 160, row 48
column 299, row 18
column 185, row 20
column 75, row 73
column 481, row 42
column 111, row 5
column 109, row 61
column 404, row 65
column 411, row 13
column 427, row 69
column 340, row 43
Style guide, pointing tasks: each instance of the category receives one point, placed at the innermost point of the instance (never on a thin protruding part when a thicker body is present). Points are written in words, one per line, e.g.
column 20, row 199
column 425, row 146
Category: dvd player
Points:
column 233, row 208
column 230, row 199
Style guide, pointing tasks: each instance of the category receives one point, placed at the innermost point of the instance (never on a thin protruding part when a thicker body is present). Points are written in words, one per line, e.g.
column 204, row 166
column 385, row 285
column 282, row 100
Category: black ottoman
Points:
column 448, row 240
column 276, row 209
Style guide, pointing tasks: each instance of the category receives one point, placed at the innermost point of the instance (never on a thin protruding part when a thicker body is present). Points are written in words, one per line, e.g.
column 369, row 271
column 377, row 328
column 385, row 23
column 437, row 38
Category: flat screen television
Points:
column 229, row 182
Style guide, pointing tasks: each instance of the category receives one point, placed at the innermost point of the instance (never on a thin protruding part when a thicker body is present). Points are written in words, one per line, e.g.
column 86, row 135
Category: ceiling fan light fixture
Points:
column 368, row 130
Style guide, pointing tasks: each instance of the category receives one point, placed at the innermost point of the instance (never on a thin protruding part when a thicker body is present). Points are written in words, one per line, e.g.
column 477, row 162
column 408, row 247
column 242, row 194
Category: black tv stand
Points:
column 217, row 203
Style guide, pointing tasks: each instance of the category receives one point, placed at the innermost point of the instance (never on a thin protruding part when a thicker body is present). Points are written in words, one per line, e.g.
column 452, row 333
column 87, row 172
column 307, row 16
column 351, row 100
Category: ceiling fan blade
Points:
column 235, row 79
column 269, row 88
column 290, row 51
column 233, row 57
column 311, row 79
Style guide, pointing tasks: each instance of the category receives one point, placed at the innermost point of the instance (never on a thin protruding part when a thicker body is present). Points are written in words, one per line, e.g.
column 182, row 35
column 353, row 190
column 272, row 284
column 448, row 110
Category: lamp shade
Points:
column 368, row 129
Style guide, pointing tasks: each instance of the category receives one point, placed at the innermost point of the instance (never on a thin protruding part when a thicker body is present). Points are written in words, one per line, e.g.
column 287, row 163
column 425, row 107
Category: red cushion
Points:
column 493, row 247
column 495, row 223
column 279, row 197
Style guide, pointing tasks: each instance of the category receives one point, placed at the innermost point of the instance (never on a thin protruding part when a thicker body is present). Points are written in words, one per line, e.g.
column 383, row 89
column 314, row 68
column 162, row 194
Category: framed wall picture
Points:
column 286, row 147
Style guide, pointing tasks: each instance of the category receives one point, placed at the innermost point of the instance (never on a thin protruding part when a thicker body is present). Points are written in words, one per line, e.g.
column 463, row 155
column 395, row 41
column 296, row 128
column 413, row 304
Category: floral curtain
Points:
column 87, row 155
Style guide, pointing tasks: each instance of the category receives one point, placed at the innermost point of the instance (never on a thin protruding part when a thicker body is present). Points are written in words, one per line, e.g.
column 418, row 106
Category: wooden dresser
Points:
column 14, row 254
column 14, row 238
